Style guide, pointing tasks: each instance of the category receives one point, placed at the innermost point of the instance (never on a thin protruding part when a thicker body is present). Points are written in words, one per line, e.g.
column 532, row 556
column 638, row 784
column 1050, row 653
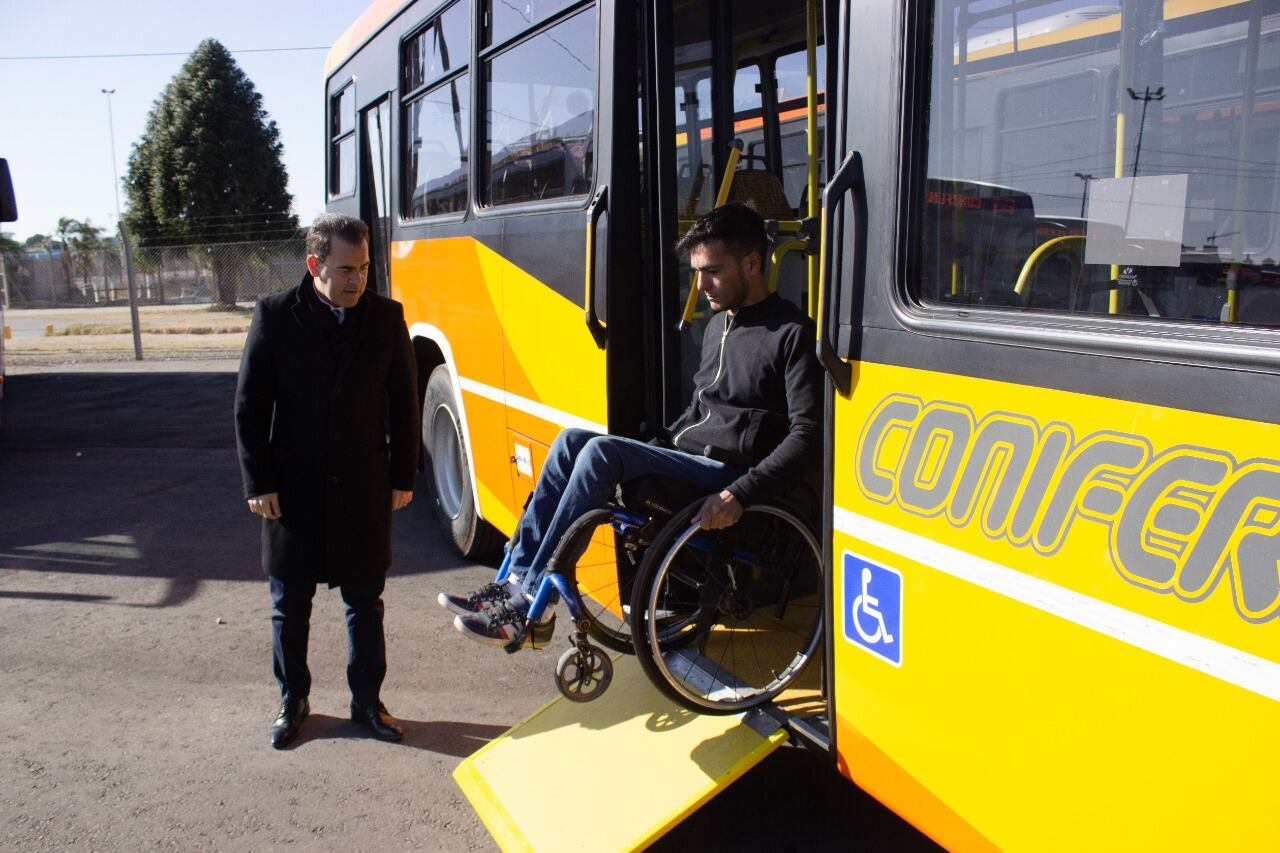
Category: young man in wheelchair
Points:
column 757, row 401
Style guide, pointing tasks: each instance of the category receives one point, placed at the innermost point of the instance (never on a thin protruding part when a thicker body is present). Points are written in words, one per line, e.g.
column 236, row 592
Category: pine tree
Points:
column 207, row 169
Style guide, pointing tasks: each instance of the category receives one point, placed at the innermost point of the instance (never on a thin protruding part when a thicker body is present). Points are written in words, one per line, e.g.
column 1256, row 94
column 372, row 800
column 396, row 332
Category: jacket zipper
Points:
column 728, row 324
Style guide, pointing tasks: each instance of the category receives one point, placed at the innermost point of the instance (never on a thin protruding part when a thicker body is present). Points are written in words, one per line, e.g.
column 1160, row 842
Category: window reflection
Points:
column 541, row 114
column 509, row 17
column 1088, row 161
column 440, row 48
column 436, row 159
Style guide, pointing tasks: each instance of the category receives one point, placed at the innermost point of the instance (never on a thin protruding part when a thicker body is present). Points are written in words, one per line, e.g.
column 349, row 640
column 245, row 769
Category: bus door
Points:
column 724, row 117
column 548, row 181
column 724, row 114
column 375, row 189
column 1051, row 322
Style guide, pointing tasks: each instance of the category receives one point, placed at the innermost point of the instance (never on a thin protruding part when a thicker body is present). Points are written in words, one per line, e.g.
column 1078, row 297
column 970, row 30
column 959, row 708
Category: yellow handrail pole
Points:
column 811, row 71
column 1114, row 303
column 726, row 184
column 1048, row 247
column 775, row 261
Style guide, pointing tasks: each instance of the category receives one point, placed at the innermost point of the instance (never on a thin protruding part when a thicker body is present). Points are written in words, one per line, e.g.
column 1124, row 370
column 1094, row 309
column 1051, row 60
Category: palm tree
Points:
column 64, row 229
column 86, row 239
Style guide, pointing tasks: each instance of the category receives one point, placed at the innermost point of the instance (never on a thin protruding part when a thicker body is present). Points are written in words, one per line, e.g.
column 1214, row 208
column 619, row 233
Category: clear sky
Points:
column 53, row 115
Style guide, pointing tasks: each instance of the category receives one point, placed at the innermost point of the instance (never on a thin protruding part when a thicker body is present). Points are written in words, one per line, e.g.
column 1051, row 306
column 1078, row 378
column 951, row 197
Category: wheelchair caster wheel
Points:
column 582, row 674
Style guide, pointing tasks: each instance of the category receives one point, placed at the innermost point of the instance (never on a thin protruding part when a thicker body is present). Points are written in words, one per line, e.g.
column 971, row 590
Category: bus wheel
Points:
column 454, row 505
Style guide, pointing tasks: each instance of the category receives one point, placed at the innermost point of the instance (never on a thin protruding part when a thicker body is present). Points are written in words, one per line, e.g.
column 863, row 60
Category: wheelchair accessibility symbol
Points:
column 873, row 608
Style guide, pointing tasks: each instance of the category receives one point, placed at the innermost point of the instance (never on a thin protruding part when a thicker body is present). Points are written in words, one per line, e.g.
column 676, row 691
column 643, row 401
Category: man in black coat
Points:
column 327, row 429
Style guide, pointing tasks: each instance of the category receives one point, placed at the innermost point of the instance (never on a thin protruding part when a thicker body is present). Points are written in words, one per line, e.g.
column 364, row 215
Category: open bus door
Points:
column 8, row 213
column 708, row 74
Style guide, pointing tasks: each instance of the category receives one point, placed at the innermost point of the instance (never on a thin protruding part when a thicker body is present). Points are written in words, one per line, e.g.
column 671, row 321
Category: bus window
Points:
column 435, row 165
column 443, row 46
column 1085, row 161
column 437, row 128
column 541, row 114
column 505, row 18
column 342, row 142
column 748, row 117
column 792, row 86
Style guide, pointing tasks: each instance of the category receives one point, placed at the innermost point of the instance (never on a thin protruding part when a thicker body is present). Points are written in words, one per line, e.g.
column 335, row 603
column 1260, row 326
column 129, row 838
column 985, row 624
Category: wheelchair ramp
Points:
column 613, row 774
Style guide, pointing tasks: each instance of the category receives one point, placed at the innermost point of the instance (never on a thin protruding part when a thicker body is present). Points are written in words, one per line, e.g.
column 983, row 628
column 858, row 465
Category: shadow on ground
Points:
column 136, row 474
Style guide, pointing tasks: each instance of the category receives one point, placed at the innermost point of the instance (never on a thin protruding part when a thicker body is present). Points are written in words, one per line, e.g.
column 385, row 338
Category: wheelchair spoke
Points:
column 758, row 590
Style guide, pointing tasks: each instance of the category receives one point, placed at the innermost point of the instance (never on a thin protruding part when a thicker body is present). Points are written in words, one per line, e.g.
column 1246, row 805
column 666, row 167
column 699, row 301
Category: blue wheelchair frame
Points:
column 555, row 584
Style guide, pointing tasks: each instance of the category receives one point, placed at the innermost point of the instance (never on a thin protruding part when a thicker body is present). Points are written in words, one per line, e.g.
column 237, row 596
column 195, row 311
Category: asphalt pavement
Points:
column 135, row 685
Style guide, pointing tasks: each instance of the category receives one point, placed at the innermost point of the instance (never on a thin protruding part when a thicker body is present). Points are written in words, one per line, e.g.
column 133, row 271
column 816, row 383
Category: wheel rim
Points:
column 446, row 461
column 681, row 667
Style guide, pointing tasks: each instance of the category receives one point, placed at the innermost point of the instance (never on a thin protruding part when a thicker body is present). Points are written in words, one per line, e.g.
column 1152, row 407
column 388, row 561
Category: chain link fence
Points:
column 219, row 273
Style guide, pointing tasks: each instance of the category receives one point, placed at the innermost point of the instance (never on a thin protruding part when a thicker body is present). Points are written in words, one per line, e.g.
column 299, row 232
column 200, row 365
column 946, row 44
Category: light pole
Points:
column 111, row 130
column 1146, row 97
column 1084, row 195
column 124, row 236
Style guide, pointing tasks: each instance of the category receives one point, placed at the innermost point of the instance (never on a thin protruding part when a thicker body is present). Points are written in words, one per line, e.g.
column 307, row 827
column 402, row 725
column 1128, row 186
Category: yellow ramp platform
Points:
column 613, row 774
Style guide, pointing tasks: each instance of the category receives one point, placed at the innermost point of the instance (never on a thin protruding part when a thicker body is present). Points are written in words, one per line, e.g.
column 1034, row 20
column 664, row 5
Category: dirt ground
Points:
column 135, row 685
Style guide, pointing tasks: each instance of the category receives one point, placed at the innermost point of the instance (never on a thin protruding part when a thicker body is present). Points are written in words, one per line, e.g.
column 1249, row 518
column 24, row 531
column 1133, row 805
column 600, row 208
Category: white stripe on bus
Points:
column 529, row 407
column 1250, row 672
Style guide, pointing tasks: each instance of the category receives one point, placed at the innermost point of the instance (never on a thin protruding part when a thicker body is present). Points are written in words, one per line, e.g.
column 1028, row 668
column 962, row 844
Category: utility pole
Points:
column 124, row 236
column 1084, row 194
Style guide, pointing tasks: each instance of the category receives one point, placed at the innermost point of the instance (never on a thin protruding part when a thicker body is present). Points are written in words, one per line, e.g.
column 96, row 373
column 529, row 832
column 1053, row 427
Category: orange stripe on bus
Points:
column 883, row 778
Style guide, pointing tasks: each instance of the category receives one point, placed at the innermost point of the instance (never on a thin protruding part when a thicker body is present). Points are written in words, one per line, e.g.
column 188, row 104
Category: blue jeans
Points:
column 580, row 474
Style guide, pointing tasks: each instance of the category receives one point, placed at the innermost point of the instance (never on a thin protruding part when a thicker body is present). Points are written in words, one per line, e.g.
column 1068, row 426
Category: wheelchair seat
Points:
column 658, row 495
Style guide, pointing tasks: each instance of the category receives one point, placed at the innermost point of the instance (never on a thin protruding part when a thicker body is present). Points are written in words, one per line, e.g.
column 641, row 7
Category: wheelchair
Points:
column 720, row 620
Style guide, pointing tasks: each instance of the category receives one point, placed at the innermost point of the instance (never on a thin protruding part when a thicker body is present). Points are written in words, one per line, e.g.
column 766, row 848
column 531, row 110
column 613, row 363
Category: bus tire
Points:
column 453, row 503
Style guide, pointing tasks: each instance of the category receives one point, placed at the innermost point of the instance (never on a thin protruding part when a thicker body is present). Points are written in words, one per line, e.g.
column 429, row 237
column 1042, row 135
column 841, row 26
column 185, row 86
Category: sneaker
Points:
column 503, row 624
column 469, row 605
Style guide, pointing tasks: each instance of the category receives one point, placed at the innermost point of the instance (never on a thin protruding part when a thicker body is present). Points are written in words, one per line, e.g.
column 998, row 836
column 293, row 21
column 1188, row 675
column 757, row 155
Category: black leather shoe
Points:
column 289, row 721
column 377, row 720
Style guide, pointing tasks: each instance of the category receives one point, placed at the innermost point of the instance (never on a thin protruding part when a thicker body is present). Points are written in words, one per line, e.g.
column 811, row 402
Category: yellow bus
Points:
column 1049, row 307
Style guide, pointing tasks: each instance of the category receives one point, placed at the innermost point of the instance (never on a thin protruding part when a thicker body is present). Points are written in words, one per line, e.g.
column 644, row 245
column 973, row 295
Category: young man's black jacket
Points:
column 758, row 395
column 327, row 415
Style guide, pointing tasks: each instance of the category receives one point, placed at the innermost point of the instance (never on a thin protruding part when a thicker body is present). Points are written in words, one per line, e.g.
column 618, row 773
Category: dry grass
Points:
column 147, row 329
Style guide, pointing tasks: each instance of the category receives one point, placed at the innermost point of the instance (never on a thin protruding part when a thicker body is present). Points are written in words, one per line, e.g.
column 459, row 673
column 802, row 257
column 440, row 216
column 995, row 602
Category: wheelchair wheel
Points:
column 725, row 620
column 588, row 554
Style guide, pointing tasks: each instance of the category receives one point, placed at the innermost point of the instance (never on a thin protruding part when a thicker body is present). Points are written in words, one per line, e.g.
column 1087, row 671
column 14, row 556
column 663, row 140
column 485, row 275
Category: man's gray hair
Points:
column 329, row 225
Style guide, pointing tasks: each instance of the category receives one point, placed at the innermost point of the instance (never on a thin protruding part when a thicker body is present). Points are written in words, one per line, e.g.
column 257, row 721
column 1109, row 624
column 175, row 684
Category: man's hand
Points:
column 267, row 506
column 722, row 510
column 400, row 499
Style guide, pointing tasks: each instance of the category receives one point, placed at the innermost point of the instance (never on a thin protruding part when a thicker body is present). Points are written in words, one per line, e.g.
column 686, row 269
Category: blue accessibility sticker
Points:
column 873, row 608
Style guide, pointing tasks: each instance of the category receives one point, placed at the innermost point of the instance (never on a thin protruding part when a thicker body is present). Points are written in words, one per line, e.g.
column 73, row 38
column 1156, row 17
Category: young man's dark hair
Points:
column 329, row 225
column 735, row 224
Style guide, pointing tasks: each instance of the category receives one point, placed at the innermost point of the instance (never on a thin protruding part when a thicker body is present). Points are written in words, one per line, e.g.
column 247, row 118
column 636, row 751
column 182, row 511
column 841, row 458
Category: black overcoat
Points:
column 331, row 428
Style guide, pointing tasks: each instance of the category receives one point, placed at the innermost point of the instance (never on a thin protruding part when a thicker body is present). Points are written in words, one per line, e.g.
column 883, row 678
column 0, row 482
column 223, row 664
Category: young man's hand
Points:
column 400, row 499
column 722, row 510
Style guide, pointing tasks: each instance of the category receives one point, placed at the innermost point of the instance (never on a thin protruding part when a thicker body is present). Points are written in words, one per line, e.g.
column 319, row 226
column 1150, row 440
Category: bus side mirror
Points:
column 8, row 205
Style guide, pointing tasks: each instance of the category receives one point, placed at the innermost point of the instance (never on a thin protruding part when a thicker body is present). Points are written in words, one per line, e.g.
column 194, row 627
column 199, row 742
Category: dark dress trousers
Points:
column 327, row 416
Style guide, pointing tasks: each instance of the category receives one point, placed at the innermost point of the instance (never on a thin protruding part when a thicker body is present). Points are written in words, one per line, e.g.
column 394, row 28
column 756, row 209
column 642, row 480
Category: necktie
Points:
column 339, row 313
